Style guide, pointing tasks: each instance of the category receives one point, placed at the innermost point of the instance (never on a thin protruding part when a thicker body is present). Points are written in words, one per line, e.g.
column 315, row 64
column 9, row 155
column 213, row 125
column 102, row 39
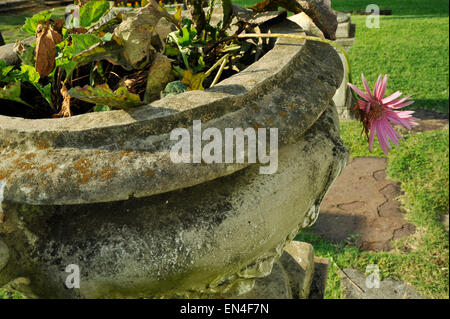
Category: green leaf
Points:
column 101, row 108
column 92, row 11
column 29, row 73
column 188, row 35
column 4, row 70
column 12, row 92
column 179, row 70
column 110, row 51
column 31, row 23
column 171, row 51
column 82, row 42
column 200, row 66
column 45, row 92
column 103, row 95
column 227, row 7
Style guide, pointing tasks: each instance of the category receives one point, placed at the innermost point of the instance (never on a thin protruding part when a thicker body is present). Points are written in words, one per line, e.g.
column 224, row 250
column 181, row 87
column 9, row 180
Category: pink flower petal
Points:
column 366, row 85
column 382, row 139
column 382, row 88
column 377, row 86
column 404, row 114
column 392, row 134
column 401, row 119
column 391, row 97
column 359, row 92
column 401, row 105
column 362, row 104
column 394, row 103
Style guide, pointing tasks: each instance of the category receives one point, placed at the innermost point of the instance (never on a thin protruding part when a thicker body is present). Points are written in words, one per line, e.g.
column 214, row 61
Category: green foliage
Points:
column 14, row 77
column 101, row 108
column 81, row 42
column 31, row 23
column 356, row 141
column 8, row 294
column 11, row 92
column 423, row 168
column 4, row 71
column 185, row 41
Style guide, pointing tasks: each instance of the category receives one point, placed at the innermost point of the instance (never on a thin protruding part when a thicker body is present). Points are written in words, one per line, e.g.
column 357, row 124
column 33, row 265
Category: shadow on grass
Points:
column 439, row 106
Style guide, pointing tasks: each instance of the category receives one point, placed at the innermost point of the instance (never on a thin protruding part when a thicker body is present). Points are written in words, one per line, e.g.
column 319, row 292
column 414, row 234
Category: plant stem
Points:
column 219, row 73
column 208, row 73
column 305, row 37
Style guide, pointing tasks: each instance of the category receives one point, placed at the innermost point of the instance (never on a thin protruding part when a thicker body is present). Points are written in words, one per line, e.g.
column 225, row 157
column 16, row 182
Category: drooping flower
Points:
column 377, row 112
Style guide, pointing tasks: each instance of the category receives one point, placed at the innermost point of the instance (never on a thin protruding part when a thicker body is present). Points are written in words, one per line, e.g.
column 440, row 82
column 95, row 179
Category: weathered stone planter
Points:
column 100, row 190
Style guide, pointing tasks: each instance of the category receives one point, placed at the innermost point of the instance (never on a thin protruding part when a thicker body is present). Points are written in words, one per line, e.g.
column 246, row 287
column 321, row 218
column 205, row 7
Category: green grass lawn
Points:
column 11, row 26
column 411, row 46
column 420, row 163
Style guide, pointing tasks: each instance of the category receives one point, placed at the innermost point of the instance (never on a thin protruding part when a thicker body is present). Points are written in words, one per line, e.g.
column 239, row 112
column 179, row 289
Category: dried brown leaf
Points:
column 159, row 75
column 47, row 38
column 65, row 107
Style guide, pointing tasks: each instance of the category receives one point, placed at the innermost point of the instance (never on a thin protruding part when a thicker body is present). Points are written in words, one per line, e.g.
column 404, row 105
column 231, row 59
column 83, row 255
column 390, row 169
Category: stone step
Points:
column 12, row 3
column 20, row 7
column 57, row 3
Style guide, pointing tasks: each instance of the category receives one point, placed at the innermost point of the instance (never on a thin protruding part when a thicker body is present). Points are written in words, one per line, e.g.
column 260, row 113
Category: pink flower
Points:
column 376, row 111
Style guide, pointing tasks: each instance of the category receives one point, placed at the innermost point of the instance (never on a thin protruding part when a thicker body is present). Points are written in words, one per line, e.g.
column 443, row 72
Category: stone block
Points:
column 319, row 282
column 298, row 262
column 291, row 275
column 387, row 288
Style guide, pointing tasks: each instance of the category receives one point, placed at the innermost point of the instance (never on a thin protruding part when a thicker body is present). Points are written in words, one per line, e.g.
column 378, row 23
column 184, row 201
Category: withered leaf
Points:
column 194, row 81
column 255, row 18
column 159, row 75
column 131, row 45
column 102, row 94
column 65, row 107
column 47, row 38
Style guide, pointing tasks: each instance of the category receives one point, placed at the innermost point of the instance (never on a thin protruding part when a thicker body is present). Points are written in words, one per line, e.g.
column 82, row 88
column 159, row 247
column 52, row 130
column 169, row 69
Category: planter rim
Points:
column 110, row 156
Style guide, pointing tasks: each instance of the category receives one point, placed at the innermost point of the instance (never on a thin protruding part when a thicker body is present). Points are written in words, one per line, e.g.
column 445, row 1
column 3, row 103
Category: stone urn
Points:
column 100, row 191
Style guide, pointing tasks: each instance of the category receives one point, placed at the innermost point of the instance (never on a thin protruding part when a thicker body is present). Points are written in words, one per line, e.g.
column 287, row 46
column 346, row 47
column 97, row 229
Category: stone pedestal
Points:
column 291, row 277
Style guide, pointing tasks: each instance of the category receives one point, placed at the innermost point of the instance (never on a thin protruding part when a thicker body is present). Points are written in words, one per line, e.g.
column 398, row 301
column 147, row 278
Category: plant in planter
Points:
column 120, row 59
